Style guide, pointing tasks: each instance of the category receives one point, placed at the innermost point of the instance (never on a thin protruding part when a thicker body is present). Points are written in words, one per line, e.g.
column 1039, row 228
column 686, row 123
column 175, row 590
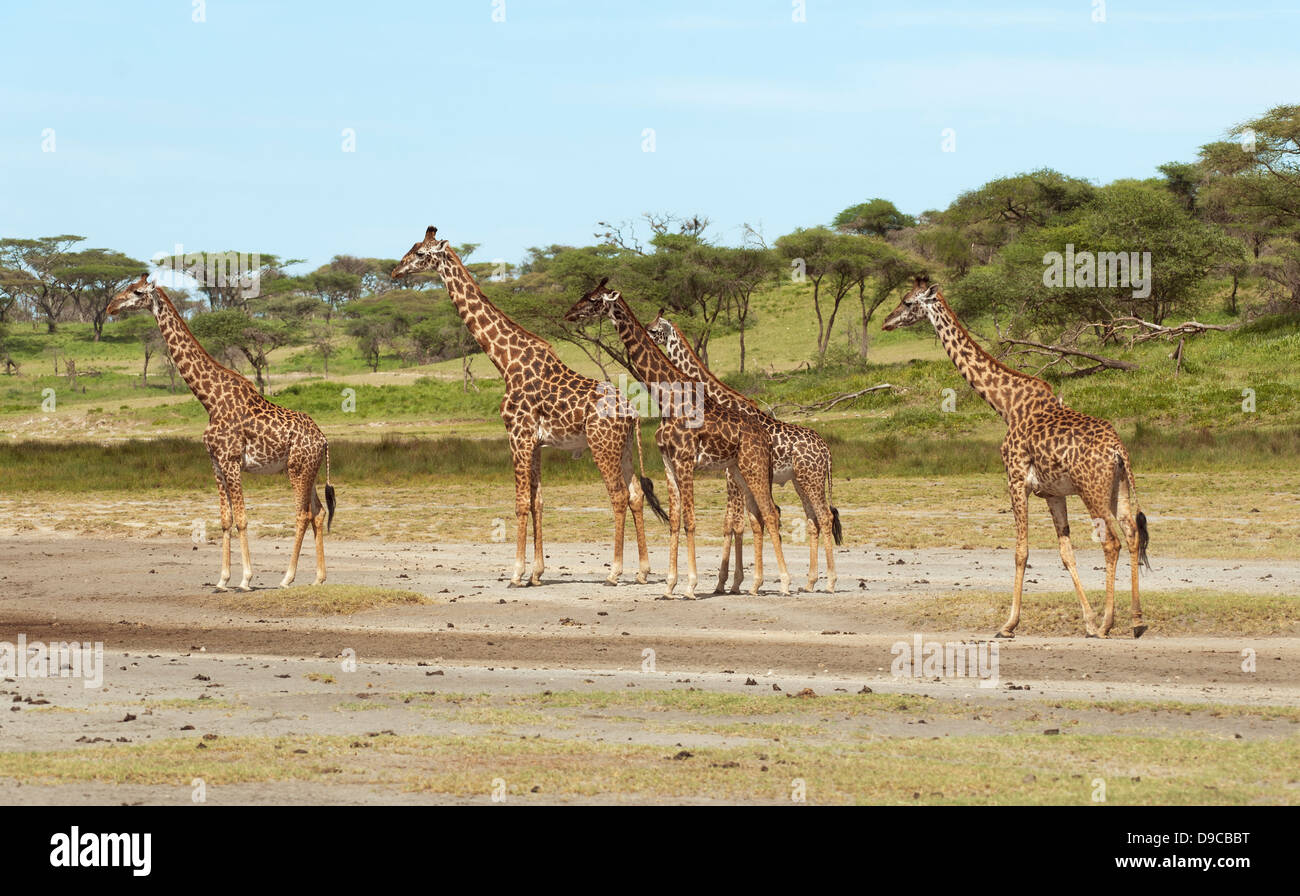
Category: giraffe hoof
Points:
column 515, row 585
column 610, row 583
column 642, row 578
column 1005, row 634
column 1139, row 631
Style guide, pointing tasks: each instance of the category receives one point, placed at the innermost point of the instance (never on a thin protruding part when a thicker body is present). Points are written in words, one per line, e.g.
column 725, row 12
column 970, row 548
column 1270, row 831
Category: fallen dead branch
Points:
column 826, row 404
column 1061, row 354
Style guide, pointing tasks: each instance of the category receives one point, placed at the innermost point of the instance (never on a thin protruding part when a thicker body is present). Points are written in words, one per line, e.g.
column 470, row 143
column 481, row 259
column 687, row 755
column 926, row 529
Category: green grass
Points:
column 319, row 600
column 1005, row 769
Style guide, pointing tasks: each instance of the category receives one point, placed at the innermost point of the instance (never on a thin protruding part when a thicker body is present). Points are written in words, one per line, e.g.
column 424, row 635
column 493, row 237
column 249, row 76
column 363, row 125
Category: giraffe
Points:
column 1050, row 451
column 799, row 455
column 244, row 432
column 691, row 437
column 546, row 404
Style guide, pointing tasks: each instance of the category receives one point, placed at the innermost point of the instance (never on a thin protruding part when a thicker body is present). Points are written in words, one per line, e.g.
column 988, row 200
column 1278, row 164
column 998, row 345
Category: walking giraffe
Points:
column 245, row 432
column 799, row 455
column 1050, row 451
column 690, row 438
column 546, row 404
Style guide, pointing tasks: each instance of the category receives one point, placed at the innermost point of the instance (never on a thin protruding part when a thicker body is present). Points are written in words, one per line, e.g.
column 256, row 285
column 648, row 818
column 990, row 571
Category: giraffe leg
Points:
column 535, row 501
column 674, row 518
column 636, row 500
column 756, row 472
column 738, row 538
column 521, row 454
column 818, row 508
column 226, row 522
column 613, row 471
column 819, row 528
column 1020, row 509
column 318, row 534
column 1128, row 522
column 735, row 507
column 756, row 524
column 1061, row 520
column 686, row 483
column 304, row 492
column 236, row 488
column 1111, row 548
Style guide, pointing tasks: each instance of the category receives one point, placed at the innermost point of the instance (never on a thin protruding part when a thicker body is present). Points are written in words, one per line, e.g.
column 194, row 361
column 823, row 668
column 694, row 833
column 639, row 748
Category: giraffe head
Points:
column 424, row 255
column 134, row 296
column 915, row 305
column 598, row 302
column 661, row 330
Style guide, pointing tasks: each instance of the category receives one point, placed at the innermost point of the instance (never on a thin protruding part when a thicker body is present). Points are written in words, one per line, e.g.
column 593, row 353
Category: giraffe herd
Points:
column 1049, row 451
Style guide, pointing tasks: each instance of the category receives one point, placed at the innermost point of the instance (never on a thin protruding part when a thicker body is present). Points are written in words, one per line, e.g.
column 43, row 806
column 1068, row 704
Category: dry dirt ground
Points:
column 172, row 645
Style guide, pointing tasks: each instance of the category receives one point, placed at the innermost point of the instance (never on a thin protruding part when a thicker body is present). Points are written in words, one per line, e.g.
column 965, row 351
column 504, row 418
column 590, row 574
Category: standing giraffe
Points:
column 1050, row 451
column 799, row 455
column 712, row 437
column 245, row 432
column 546, row 404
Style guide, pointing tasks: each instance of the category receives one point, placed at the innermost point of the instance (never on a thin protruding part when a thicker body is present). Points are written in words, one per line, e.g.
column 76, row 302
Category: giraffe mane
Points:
column 985, row 354
column 686, row 347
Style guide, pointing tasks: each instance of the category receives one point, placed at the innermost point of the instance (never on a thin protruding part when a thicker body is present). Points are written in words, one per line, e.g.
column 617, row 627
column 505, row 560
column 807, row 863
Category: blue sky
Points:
column 228, row 133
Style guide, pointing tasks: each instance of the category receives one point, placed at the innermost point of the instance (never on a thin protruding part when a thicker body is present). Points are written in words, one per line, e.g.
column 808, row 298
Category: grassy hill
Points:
column 1192, row 419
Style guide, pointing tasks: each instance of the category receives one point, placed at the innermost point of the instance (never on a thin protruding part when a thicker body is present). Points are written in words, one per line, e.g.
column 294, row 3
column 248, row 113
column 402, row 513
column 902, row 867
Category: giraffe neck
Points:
column 1007, row 391
column 680, row 353
column 648, row 362
column 489, row 325
column 200, row 370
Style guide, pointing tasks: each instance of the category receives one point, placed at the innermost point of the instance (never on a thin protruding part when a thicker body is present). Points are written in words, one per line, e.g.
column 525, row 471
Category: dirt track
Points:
column 151, row 603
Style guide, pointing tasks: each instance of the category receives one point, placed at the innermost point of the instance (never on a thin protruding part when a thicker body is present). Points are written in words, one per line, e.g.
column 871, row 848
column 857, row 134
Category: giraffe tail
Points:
column 329, row 491
column 1140, row 519
column 837, row 530
column 647, row 487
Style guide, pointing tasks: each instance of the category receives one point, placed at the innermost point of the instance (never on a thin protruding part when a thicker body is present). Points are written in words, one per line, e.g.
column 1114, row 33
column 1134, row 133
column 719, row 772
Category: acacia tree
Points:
column 91, row 278
column 993, row 215
column 1124, row 218
column 230, row 331
column 1252, row 187
column 884, row 269
column 875, row 217
column 27, row 274
column 741, row 272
